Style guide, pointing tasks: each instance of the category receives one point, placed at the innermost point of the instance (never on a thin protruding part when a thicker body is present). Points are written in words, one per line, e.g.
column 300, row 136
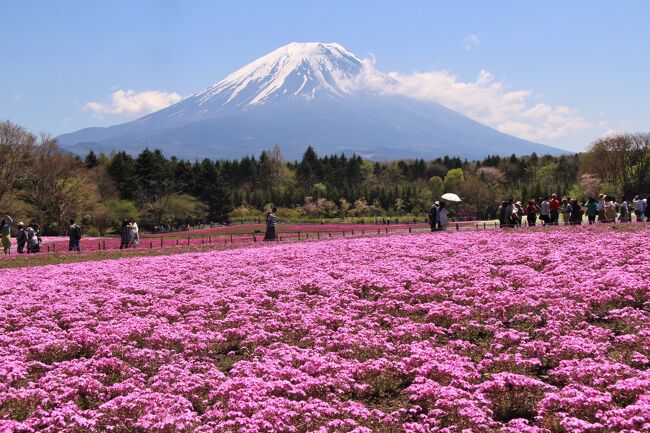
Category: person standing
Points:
column 624, row 211
column 592, row 210
column 125, row 234
column 610, row 210
column 545, row 211
column 566, row 211
column 554, row 206
column 33, row 239
column 531, row 213
column 270, row 225
column 74, row 235
column 646, row 210
column 5, row 232
column 433, row 216
column 501, row 212
column 576, row 213
column 443, row 218
column 600, row 208
column 135, row 233
column 510, row 214
column 21, row 238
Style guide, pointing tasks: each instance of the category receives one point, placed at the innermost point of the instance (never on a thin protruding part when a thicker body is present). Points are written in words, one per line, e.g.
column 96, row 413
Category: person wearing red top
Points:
column 555, row 209
column 531, row 212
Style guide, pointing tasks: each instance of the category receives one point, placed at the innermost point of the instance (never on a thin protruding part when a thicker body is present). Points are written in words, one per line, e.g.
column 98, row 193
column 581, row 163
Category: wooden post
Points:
column 254, row 238
column 330, row 234
column 188, row 240
column 318, row 234
column 386, row 230
column 298, row 236
column 209, row 239
column 484, row 227
column 307, row 236
column 378, row 231
column 231, row 239
column 176, row 241
column 457, row 227
column 150, row 245
column 99, row 246
column 476, row 226
column 48, row 248
column 363, row 232
column 343, row 233
column 161, row 242
column 104, row 245
column 352, row 232
column 410, row 230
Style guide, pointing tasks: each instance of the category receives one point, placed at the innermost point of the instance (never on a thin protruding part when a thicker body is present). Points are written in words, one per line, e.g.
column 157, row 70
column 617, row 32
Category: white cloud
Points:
column 131, row 103
column 18, row 96
column 471, row 41
column 486, row 100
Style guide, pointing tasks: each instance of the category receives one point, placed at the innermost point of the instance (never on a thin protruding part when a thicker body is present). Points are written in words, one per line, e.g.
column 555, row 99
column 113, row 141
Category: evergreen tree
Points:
column 121, row 169
column 91, row 160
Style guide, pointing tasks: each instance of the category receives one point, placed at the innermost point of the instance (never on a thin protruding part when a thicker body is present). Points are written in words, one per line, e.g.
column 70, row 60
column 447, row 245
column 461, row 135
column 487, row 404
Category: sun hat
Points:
column 20, row 224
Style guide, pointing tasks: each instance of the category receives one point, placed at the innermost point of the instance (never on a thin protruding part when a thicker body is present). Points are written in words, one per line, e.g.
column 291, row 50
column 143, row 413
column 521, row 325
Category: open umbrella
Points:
column 450, row 197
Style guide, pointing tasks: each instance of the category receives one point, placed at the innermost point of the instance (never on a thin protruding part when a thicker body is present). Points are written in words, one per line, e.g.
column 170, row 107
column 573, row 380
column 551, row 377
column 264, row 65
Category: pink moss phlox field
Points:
column 494, row 331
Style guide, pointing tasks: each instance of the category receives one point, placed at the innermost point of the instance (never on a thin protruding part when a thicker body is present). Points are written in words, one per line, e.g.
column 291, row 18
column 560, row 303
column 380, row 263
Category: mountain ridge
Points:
column 298, row 95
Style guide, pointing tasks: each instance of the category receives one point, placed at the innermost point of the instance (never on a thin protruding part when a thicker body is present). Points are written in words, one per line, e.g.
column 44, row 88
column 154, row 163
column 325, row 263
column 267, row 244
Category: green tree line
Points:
column 40, row 182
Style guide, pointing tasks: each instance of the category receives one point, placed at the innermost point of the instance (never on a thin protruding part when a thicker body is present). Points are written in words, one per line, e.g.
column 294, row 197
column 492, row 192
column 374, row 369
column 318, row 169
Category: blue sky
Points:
column 558, row 72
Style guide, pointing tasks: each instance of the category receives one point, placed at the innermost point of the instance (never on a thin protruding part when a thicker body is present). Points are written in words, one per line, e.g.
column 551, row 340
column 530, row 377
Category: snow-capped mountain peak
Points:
column 299, row 69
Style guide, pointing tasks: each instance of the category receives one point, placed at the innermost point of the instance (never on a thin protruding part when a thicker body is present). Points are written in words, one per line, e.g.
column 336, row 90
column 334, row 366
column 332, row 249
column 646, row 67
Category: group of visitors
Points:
column 438, row 216
column 605, row 209
column 129, row 234
column 28, row 236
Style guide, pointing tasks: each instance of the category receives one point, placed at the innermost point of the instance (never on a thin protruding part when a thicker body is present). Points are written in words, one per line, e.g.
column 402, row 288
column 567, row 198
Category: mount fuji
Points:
column 302, row 94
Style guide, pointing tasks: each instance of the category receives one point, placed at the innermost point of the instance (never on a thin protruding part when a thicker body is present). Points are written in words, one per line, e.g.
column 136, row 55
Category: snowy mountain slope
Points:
column 298, row 95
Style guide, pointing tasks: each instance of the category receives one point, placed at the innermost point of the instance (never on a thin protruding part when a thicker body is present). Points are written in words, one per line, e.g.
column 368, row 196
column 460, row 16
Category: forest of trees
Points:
column 40, row 182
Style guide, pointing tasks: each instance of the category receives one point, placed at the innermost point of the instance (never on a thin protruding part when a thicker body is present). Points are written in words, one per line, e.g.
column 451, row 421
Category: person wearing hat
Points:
column 21, row 239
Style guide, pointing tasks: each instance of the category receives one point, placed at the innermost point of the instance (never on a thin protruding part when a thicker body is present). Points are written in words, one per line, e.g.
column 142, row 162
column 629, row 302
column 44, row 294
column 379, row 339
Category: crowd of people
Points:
column 547, row 211
column 28, row 238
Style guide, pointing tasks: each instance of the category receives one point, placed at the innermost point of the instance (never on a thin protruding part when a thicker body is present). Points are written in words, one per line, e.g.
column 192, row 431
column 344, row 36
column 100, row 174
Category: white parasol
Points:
column 450, row 197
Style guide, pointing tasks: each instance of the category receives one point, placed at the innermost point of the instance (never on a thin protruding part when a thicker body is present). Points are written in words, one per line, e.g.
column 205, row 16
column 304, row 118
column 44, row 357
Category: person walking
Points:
column 531, row 213
column 270, row 225
column 592, row 210
column 443, row 219
column 646, row 210
column 125, row 234
column 5, row 232
column 74, row 235
column 554, row 206
column 433, row 216
column 21, row 238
